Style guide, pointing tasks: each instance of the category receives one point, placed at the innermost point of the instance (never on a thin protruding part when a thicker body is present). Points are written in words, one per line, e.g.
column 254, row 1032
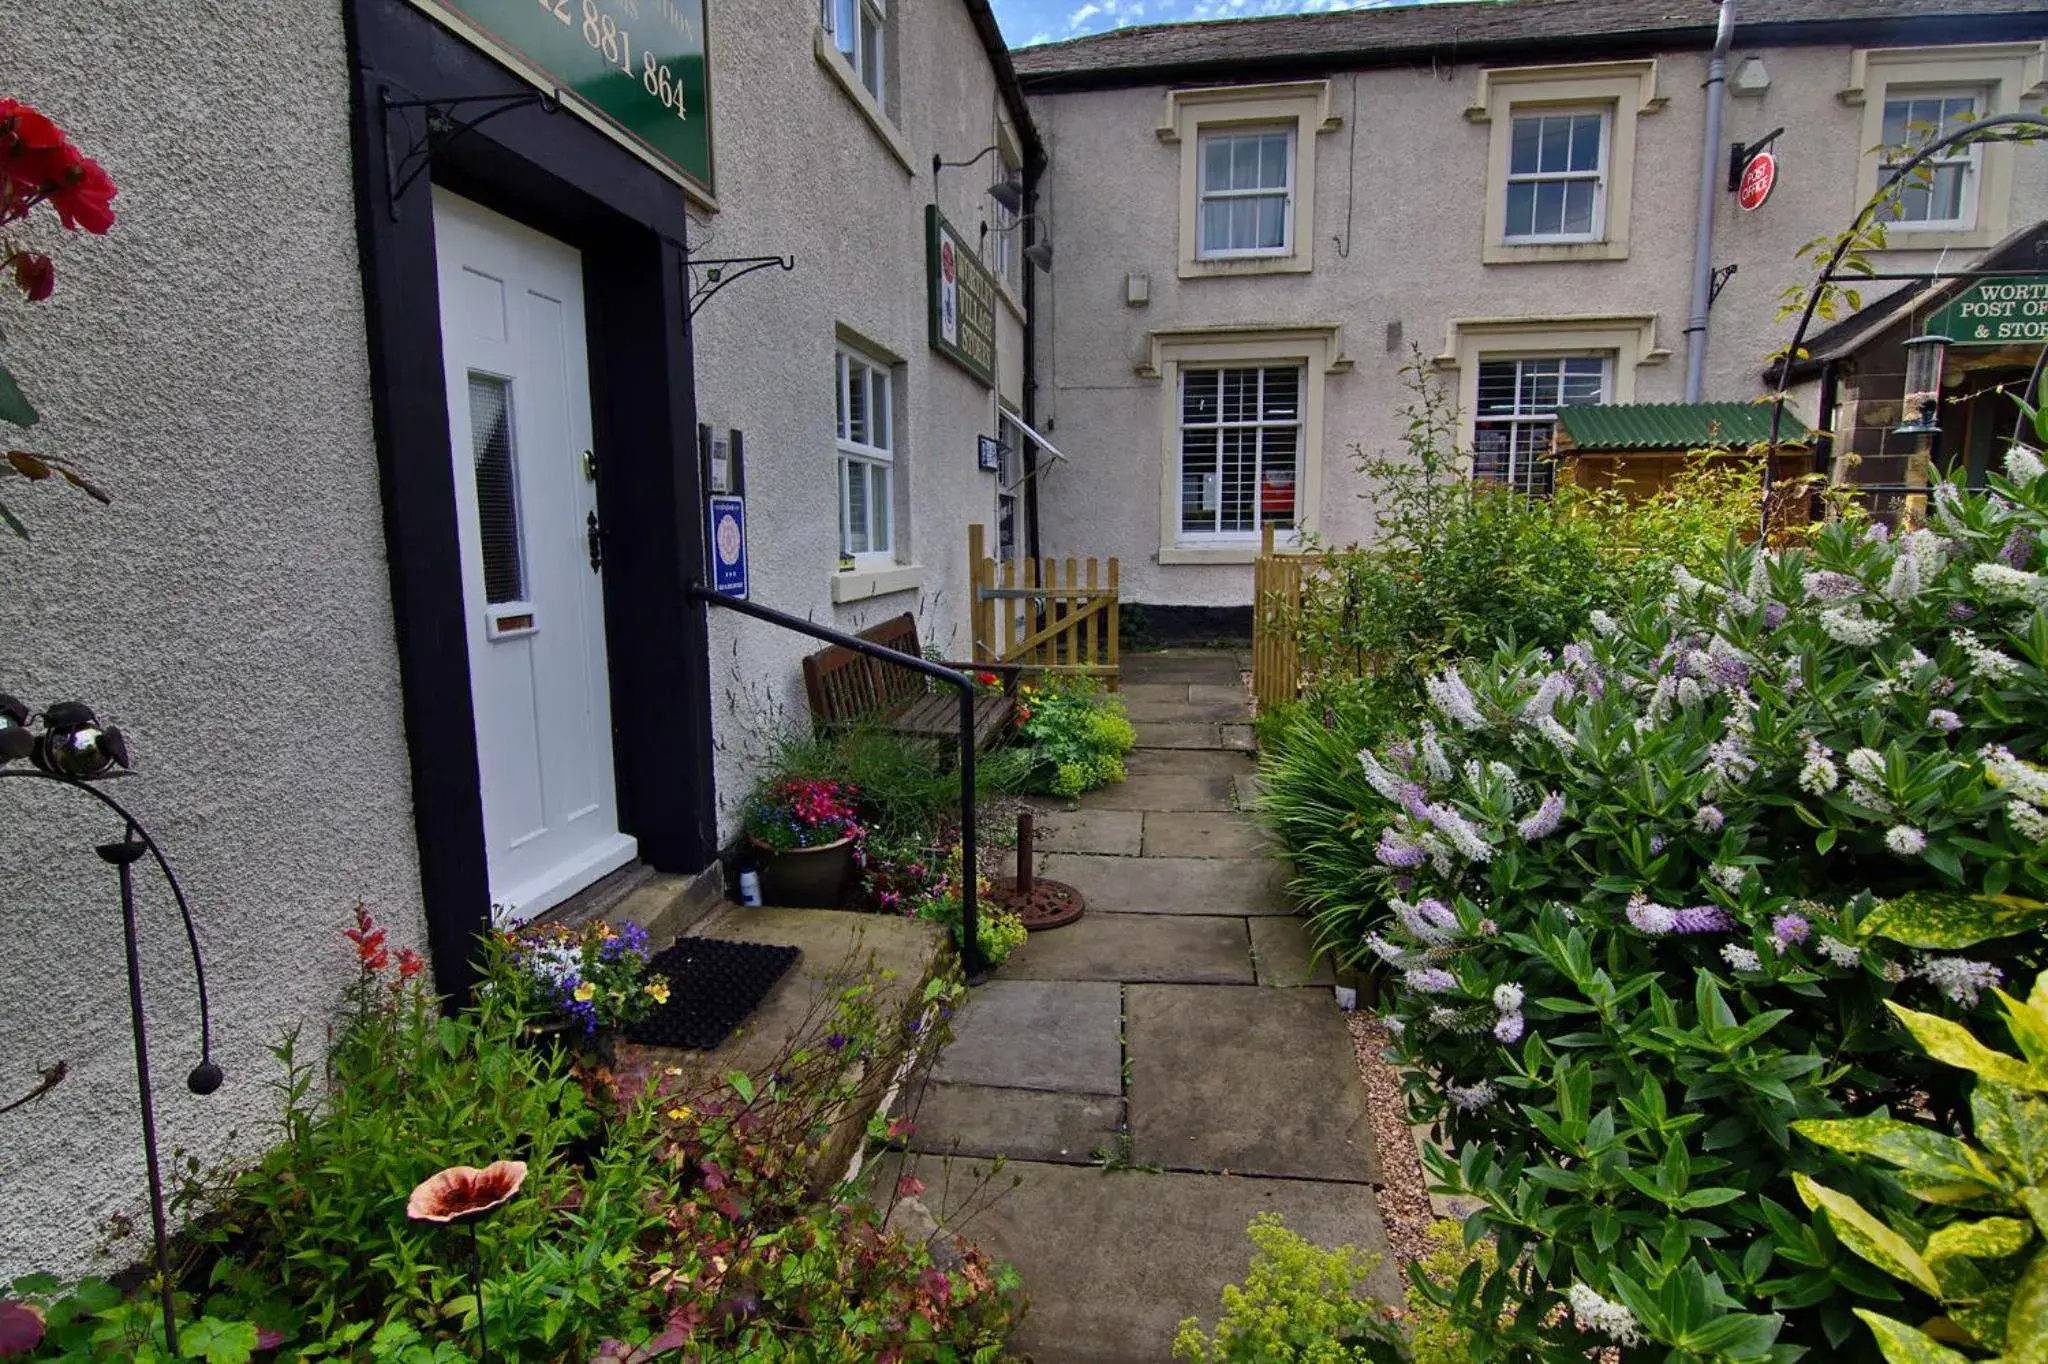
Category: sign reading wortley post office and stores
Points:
column 963, row 299
column 636, row 68
column 1996, row 312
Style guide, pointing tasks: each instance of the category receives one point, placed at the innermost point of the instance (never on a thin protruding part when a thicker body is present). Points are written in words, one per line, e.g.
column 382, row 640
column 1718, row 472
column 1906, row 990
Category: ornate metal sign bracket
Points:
column 716, row 274
column 442, row 125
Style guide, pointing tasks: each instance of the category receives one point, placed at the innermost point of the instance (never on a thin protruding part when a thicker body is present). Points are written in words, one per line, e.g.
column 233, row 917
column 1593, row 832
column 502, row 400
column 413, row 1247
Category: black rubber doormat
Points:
column 713, row 985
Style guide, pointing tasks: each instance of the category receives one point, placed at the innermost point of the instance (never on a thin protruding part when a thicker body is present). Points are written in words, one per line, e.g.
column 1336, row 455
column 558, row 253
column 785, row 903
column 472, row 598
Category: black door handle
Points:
column 594, row 537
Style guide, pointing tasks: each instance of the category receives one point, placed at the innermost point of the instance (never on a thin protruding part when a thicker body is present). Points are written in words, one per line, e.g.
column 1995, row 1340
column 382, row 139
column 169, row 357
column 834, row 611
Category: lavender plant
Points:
column 1648, row 896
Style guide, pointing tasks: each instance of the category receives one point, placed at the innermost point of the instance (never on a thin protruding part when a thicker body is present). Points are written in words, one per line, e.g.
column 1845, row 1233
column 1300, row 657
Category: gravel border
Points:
column 1404, row 1196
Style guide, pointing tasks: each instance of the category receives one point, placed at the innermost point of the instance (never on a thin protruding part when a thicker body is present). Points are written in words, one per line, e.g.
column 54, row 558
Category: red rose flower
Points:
column 23, row 126
column 36, row 275
column 83, row 198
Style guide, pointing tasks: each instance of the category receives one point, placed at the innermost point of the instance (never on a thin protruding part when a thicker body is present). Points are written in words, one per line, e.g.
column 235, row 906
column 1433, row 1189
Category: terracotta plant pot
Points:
column 807, row 878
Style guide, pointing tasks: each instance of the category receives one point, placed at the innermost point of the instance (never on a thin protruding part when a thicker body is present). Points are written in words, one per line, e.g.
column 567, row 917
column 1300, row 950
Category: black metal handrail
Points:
column 970, row 939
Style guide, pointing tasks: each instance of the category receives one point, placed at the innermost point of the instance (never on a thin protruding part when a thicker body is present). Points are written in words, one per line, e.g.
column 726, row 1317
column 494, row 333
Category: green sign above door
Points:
column 636, row 68
column 962, row 299
column 1996, row 312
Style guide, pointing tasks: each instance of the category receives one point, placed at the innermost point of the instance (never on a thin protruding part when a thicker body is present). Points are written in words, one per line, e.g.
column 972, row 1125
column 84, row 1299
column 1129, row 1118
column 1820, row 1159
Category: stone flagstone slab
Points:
column 1038, row 1034
column 1147, row 712
column 1117, row 833
column 1246, row 1081
column 1176, row 735
column 1164, row 791
column 1193, row 950
column 1281, row 948
column 1113, row 1262
column 1241, row 737
column 1134, row 692
column 1173, row 885
column 1206, row 762
column 1024, row 1124
column 1205, row 668
column 1192, row 833
column 1232, row 693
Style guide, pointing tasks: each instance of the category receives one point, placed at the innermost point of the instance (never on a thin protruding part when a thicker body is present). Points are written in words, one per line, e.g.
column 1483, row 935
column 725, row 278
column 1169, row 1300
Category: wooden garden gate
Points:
column 1276, row 622
column 1025, row 613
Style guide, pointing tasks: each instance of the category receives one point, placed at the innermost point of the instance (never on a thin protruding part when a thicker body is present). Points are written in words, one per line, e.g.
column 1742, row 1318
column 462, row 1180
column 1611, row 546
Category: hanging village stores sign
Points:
column 963, row 299
column 1996, row 312
column 635, row 68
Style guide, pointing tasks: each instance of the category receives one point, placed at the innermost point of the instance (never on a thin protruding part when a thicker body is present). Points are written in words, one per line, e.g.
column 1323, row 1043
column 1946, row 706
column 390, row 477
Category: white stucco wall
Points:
column 802, row 172
column 1402, row 247
column 230, row 611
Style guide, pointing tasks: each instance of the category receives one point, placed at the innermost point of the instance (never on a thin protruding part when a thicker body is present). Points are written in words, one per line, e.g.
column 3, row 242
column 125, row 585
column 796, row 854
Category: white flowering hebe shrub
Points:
column 1650, row 894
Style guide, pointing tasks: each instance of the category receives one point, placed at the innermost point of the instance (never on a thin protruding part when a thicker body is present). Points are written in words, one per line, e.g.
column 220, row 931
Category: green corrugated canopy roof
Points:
column 1611, row 428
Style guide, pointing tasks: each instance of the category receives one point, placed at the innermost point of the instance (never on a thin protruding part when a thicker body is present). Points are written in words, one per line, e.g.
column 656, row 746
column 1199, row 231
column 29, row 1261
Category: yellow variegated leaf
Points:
column 2035, row 1201
column 1867, row 1236
column 2038, row 996
column 1948, row 919
column 1930, row 1155
column 1904, row 1345
column 1989, row 1238
column 1952, row 1043
column 2026, row 1326
column 2012, row 1128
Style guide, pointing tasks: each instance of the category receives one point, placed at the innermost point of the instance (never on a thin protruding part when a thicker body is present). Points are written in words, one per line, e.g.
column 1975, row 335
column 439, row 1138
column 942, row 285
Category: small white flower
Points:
column 1469, row 1098
column 2003, row 584
column 1867, row 765
column 1905, row 840
column 1960, row 978
column 1947, row 721
column 1892, row 972
column 1593, row 1313
column 1449, row 694
column 1741, row 958
column 1379, row 777
column 2028, row 822
column 1985, row 661
column 1840, row 953
column 1434, row 761
column 1559, row 736
column 2023, row 779
column 1867, row 796
column 1689, row 694
column 1507, row 998
column 1818, row 776
column 2022, row 465
column 1730, row 878
column 1849, row 627
column 1394, row 1026
column 1707, row 819
column 1604, row 624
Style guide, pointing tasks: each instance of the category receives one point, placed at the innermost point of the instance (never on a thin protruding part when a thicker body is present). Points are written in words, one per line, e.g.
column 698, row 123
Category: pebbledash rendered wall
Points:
column 230, row 611
column 1398, row 235
column 802, row 172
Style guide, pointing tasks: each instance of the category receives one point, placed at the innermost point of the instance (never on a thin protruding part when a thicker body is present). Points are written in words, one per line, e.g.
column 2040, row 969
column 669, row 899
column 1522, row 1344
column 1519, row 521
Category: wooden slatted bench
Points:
column 845, row 688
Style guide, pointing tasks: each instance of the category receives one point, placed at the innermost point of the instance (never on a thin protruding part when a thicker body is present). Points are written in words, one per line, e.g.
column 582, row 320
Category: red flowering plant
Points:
column 38, row 165
column 804, row 812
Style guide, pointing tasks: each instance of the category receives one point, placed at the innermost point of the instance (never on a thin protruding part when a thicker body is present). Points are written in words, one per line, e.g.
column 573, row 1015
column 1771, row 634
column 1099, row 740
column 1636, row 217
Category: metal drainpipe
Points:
column 1710, row 191
column 1032, row 169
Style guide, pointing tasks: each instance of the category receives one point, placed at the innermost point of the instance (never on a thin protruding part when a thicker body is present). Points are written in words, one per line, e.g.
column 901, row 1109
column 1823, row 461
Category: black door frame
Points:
column 563, row 177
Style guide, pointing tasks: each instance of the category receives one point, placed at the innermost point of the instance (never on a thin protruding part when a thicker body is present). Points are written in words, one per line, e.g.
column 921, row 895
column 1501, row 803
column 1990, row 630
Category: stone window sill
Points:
column 860, row 584
column 830, row 58
column 1209, row 554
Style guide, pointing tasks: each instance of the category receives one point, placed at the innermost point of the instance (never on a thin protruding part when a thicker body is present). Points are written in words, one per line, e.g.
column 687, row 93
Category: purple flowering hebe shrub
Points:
column 1649, row 895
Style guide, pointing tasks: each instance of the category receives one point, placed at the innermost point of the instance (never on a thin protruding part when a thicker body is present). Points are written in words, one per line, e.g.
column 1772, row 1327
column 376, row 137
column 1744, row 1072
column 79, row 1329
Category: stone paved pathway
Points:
column 1163, row 1069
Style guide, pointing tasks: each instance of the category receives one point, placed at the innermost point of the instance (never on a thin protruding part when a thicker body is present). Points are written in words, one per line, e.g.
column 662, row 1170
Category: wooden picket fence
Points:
column 1276, row 609
column 1024, row 612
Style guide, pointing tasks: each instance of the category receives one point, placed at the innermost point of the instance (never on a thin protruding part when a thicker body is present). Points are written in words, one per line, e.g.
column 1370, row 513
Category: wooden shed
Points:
column 1639, row 448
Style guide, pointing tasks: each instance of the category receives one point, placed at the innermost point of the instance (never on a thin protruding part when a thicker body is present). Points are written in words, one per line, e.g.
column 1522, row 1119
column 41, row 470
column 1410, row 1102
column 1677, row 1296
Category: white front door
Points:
column 519, row 411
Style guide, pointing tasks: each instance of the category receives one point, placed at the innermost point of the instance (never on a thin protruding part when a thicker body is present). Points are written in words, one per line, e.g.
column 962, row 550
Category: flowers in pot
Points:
column 809, row 834
column 590, row 978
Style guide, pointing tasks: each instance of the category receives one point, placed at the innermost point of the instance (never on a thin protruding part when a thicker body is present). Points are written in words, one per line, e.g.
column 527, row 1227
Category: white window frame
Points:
column 1520, row 419
column 1624, row 91
column 1599, row 175
column 1010, row 486
column 843, row 20
column 1183, row 533
column 1204, row 195
column 1304, row 107
column 1970, row 159
column 871, row 460
column 2003, row 76
column 1003, row 249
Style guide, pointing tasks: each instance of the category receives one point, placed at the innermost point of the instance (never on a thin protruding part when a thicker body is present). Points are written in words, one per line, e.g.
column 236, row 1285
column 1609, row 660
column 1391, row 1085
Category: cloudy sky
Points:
column 1048, row 21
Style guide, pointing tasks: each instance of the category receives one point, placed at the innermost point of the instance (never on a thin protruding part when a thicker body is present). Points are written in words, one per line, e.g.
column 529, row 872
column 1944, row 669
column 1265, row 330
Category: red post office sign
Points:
column 1759, row 178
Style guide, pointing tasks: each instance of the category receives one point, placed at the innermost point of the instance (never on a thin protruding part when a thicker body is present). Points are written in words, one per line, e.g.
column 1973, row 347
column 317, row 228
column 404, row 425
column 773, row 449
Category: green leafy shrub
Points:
column 1649, row 894
column 1975, row 1245
column 652, row 1221
column 1300, row 1304
column 1077, row 733
column 1450, row 1271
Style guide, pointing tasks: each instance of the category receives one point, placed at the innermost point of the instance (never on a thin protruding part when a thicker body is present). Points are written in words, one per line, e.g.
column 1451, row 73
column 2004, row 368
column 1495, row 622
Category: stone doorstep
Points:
column 836, row 945
column 1114, row 1261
